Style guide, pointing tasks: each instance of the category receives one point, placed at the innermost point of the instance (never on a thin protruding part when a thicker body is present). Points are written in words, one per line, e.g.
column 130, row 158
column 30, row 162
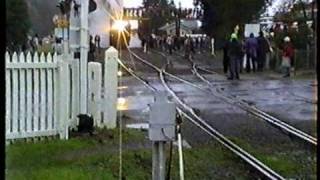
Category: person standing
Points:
column 234, row 54
column 76, row 7
column 170, row 43
column 187, row 45
column 225, row 57
column 263, row 49
column 97, row 42
column 35, row 43
column 91, row 49
column 242, row 54
column 29, row 43
column 270, row 59
column 251, row 53
column 287, row 56
column 212, row 47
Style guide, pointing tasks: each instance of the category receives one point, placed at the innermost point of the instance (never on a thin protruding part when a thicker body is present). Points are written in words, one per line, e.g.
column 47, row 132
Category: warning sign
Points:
column 251, row 28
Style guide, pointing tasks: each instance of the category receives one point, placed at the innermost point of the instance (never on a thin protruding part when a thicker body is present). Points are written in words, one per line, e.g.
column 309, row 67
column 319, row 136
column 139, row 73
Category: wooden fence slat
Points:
column 15, row 102
column 8, row 96
column 36, row 102
column 29, row 95
column 55, row 94
column 22, row 96
column 63, row 95
column 50, row 94
column 94, row 91
column 42, row 94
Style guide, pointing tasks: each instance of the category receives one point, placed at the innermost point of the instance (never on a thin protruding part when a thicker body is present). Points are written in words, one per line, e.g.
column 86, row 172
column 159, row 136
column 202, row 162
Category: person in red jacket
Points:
column 287, row 56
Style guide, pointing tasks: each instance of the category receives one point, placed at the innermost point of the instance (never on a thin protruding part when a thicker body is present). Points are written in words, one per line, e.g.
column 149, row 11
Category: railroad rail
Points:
column 217, row 91
column 199, row 122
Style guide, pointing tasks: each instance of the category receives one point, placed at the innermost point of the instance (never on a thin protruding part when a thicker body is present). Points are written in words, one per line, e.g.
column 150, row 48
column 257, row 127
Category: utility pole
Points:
column 84, row 46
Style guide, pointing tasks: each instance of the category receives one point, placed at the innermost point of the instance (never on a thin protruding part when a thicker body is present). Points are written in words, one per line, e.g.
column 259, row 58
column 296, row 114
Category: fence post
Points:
column 110, row 87
column 94, row 91
column 63, row 99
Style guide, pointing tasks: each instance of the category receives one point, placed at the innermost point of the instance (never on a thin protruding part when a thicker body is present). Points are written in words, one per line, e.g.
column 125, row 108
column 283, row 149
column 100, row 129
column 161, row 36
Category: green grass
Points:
column 289, row 162
column 98, row 158
column 77, row 158
column 90, row 158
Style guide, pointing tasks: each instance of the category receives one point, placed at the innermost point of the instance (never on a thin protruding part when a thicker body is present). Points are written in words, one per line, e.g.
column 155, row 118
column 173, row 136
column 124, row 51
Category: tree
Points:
column 158, row 13
column 295, row 11
column 17, row 22
column 221, row 16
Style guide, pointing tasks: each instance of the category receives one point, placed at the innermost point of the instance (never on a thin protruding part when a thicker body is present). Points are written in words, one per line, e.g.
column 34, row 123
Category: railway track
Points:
column 189, row 114
column 217, row 91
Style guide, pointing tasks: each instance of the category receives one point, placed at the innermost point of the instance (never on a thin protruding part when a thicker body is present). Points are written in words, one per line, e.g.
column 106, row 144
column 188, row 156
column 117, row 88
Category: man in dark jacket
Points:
column 225, row 57
column 251, row 46
column 234, row 53
column 91, row 49
column 263, row 49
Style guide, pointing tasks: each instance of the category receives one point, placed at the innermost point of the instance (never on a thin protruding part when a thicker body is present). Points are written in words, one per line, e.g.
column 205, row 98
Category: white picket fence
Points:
column 33, row 93
column 43, row 92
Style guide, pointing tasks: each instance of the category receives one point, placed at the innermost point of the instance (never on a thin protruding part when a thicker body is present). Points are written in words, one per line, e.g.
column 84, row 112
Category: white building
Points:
column 100, row 20
column 186, row 27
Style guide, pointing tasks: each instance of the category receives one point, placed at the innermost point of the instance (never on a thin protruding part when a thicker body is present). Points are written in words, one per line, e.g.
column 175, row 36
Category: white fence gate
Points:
column 42, row 94
column 35, row 88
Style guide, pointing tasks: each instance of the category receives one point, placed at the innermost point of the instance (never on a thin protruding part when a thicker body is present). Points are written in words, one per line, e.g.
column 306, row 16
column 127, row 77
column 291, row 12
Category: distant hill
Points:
column 41, row 13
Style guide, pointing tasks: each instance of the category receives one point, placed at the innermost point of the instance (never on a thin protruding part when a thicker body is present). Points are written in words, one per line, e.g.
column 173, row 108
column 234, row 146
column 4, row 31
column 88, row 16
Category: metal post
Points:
column 162, row 161
column 158, row 161
column 155, row 160
column 181, row 169
column 84, row 44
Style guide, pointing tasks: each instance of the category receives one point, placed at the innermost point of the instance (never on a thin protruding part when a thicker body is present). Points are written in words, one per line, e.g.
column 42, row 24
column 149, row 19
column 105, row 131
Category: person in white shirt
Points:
column 212, row 47
column 170, row 42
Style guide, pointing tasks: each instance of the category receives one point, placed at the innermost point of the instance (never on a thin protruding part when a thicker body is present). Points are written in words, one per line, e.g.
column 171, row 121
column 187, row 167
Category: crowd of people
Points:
column 254, row 54
column 53, row 44
column 170, row 43
column 94, row 47
column 34, row 44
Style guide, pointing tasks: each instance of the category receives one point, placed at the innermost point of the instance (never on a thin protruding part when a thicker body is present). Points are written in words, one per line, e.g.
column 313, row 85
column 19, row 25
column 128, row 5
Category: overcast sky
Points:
column 136, row 3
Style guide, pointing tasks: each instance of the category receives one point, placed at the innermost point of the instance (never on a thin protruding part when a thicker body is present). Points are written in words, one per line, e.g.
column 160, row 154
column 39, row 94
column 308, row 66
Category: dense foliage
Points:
column 295, row 12
column 221, row 16
column 158, row 13
column 17, row 22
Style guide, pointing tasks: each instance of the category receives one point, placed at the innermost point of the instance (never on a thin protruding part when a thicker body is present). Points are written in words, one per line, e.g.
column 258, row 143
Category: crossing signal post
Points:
column 162, row 129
